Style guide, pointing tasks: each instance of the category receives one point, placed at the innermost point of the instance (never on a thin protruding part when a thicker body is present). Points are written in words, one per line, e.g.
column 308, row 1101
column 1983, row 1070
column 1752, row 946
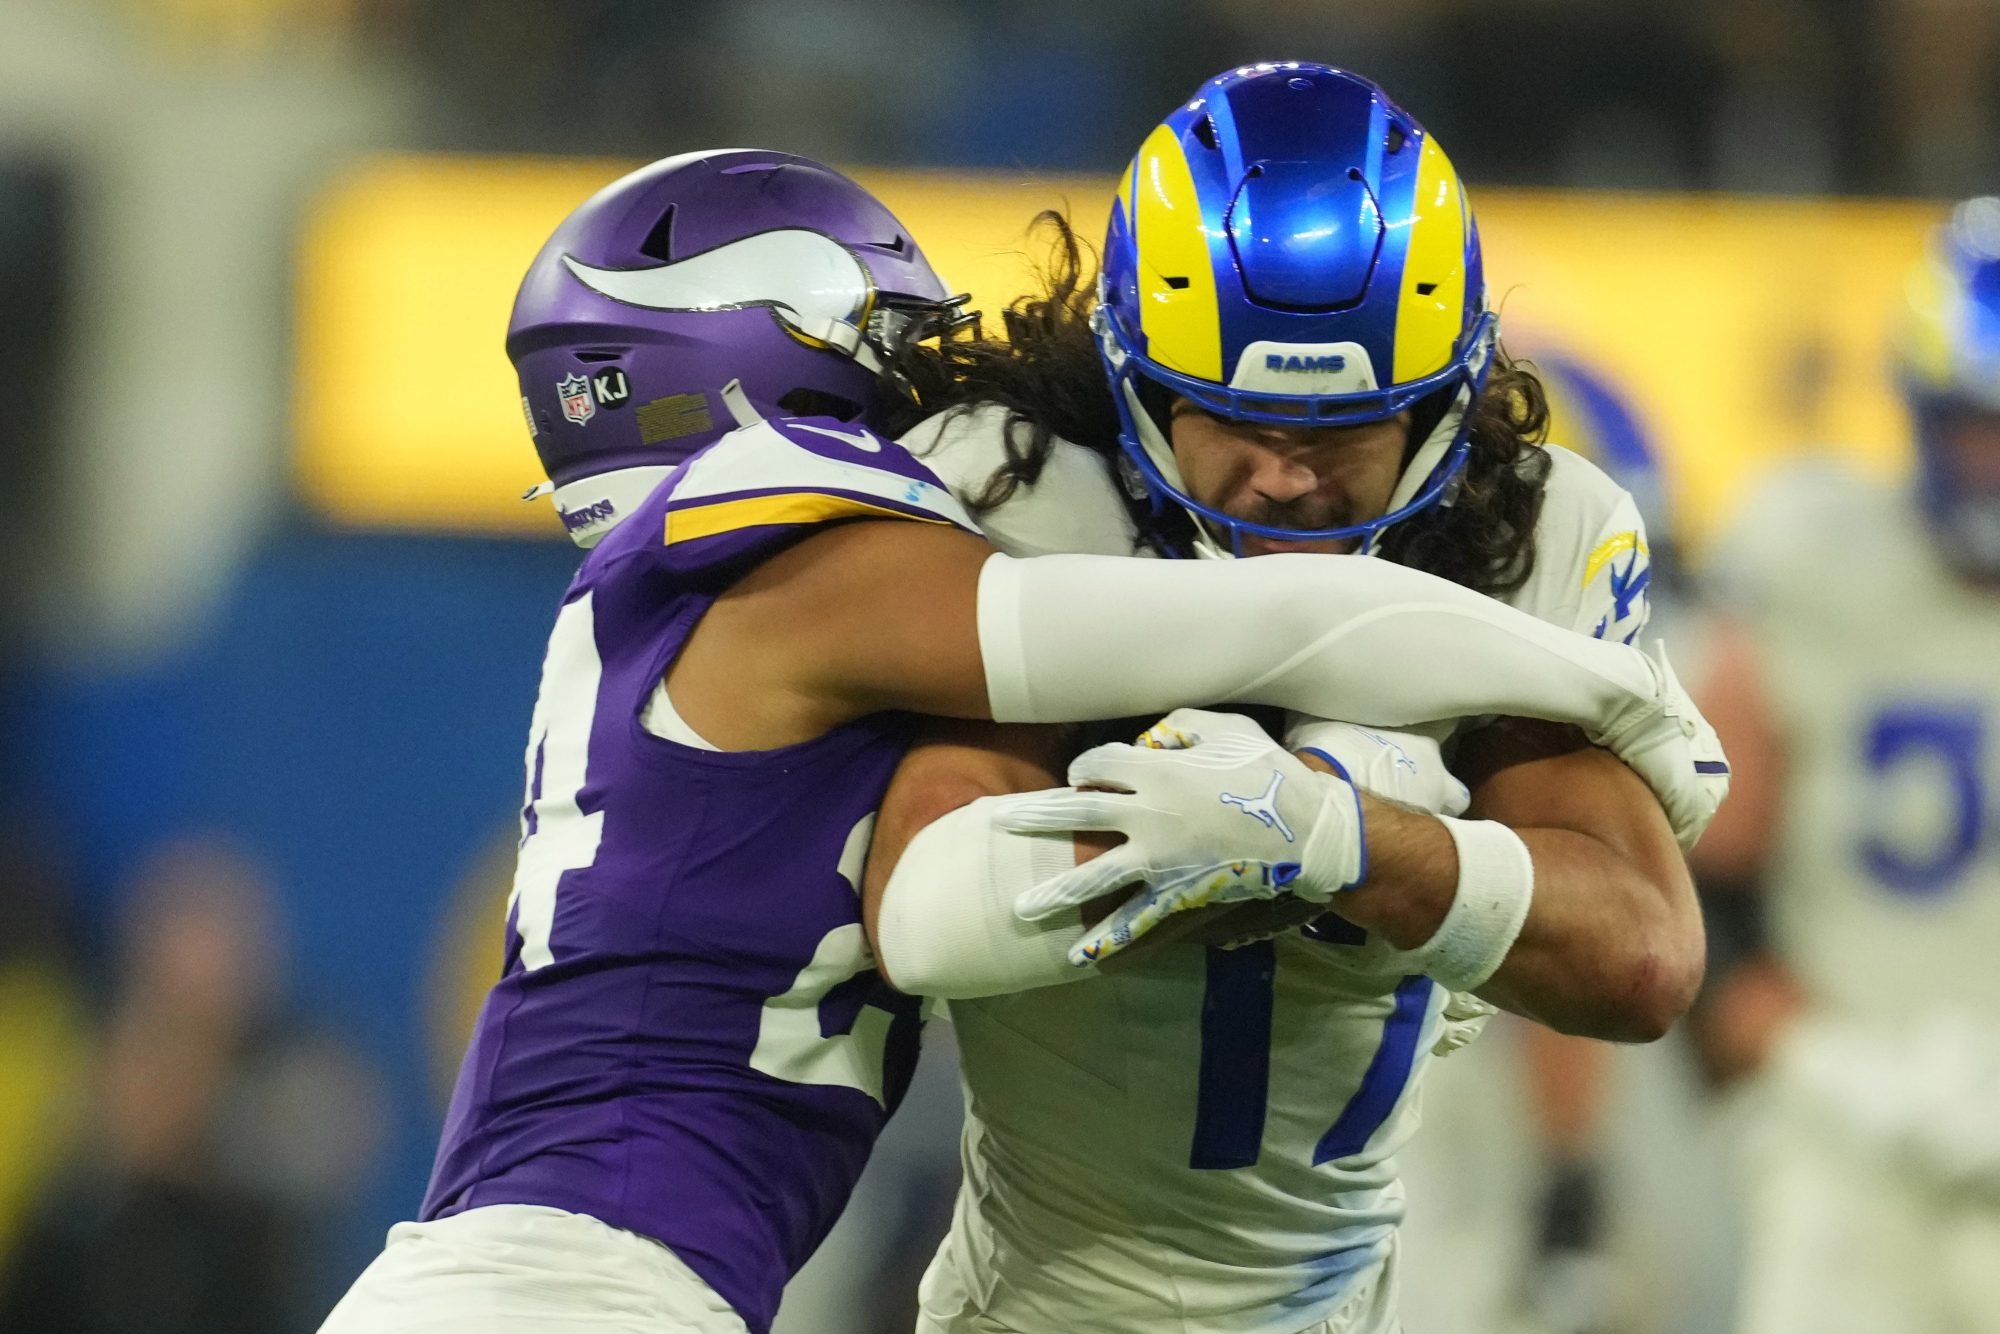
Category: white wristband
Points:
column 1496, row 882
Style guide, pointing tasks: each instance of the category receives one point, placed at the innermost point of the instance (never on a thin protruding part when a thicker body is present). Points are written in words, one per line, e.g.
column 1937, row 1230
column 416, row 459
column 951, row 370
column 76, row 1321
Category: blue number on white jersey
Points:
column 1950, row 739
column 1236, row 1061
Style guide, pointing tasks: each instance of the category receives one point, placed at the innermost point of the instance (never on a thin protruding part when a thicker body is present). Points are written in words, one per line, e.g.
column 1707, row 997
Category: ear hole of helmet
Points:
column 804, row 402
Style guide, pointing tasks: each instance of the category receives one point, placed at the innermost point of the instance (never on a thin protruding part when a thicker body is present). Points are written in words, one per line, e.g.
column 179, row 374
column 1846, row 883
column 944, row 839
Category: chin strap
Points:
column 1425, row 462
column 1207, row 545
column 846, row 339
column 740, row 407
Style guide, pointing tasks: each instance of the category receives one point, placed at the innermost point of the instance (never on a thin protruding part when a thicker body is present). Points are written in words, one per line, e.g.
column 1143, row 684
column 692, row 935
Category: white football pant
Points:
column 946, row 1307
column 1837, row 1243
column 516, row 1268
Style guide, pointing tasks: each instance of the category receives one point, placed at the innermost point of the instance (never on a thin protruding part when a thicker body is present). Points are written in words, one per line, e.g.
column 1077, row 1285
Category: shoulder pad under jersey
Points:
column 1592, row 564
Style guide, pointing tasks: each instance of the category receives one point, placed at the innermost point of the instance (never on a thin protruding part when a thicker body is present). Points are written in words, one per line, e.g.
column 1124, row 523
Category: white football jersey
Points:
column 1884, row 672
column 1205, row 1141
column 1869, row 1144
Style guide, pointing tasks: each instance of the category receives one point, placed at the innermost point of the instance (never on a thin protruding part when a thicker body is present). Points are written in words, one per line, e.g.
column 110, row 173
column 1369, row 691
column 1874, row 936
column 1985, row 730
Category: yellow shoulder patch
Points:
column 1615, row 545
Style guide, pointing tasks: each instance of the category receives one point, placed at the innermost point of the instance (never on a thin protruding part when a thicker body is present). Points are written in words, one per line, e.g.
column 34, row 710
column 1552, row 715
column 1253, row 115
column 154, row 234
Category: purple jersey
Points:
column 689, row 1039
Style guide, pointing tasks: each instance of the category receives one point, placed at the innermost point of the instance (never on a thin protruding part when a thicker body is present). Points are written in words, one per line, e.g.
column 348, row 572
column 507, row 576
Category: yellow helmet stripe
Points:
column 791, row 507
column 1182, row 323
column 1428, row 322
column 1927, row 322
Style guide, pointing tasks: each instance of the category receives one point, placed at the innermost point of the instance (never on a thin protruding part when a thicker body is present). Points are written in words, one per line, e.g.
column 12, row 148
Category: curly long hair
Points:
column 1046, row 373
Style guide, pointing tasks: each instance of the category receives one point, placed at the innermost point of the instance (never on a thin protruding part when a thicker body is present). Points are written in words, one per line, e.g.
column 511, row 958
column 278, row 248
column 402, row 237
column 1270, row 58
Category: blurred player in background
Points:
column 677, row 1079
column 1525, row 1184
column 1205, row 1139
column 1860, row 689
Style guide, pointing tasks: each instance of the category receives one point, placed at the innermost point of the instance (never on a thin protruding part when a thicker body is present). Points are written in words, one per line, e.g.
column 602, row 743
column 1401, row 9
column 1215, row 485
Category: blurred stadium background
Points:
column 272, row 610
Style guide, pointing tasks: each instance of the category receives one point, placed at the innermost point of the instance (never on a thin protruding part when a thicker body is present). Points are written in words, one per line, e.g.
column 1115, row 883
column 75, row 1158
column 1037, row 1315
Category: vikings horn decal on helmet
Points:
column 829, row 305
column 1292, row 247
column 1947, row 355
column 733, row 264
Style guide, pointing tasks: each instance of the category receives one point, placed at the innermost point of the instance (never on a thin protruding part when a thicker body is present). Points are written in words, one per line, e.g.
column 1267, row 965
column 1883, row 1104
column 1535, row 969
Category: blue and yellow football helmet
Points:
column 1292, row 247
column 1947, row 357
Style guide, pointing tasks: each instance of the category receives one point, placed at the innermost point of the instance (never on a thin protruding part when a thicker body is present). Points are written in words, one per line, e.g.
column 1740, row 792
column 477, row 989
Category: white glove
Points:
column 1213, row 811
column 1669, row 744
column 1464, row 1017
column 1405, row 767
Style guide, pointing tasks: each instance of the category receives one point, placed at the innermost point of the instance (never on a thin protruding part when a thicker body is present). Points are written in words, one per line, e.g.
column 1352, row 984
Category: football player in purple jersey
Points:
column 677, row 1079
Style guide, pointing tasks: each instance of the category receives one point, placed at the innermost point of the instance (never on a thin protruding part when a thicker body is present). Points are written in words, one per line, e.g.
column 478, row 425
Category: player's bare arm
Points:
column 855, row 619
column 1576, row 909
column 878, row 615
column 1611, row 946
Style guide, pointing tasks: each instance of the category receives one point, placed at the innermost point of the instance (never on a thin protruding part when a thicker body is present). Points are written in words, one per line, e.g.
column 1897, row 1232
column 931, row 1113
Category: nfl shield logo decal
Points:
column 577, row 404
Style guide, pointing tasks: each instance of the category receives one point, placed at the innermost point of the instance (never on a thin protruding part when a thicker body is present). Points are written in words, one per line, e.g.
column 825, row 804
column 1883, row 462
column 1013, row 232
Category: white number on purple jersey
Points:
column 555, row 835
column 790, row 1045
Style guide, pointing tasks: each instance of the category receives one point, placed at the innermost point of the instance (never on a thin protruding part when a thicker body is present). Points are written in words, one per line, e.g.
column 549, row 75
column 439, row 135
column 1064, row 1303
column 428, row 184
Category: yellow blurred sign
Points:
column 407, row 414
column 1739, row 329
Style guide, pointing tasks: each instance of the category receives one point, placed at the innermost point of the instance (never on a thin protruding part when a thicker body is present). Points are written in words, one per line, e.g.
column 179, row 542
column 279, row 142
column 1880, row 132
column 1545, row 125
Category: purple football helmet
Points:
column 731, row 264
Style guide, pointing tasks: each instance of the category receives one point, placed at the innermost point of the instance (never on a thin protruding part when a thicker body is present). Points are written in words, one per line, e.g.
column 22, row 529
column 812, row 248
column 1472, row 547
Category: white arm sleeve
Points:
column 947, row 928
column 1072, row 638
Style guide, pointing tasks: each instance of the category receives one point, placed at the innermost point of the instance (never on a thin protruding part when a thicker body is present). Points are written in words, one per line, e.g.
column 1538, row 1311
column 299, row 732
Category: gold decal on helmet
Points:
column 674, row 416
column 1182, row 323
column 1430, row 316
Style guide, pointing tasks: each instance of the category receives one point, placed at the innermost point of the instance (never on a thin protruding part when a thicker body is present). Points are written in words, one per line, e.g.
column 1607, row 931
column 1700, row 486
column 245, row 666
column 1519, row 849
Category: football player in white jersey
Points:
column 1292, row 317
column 1862, row 682
column 676, row 1080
